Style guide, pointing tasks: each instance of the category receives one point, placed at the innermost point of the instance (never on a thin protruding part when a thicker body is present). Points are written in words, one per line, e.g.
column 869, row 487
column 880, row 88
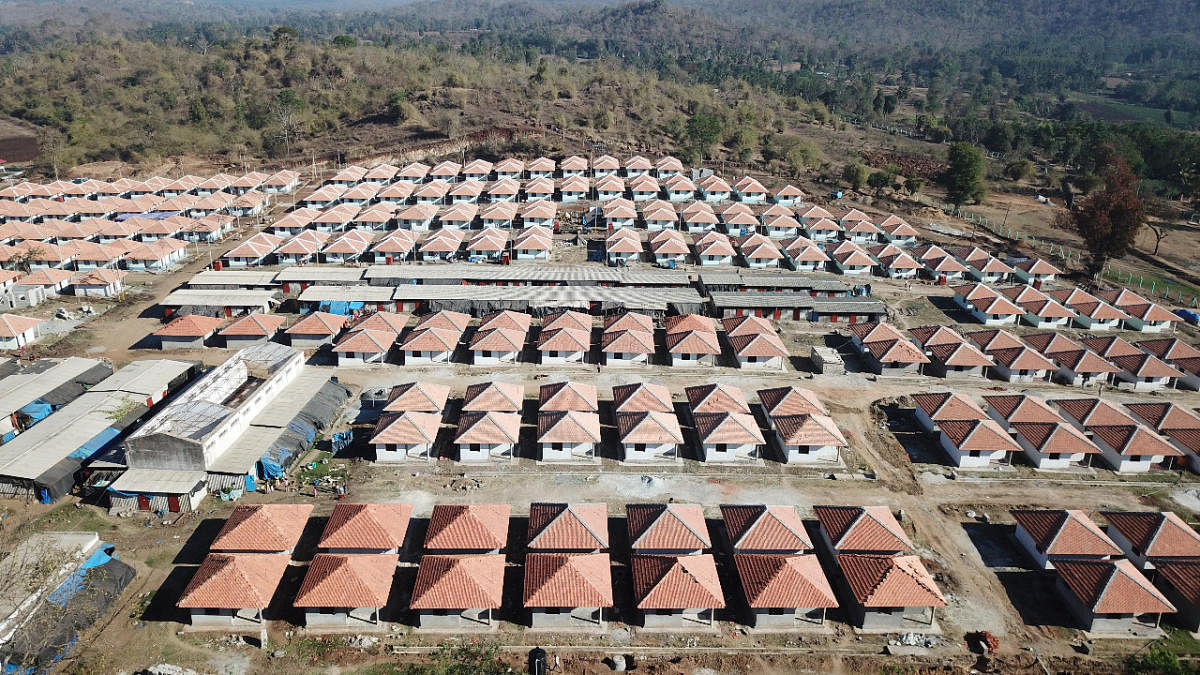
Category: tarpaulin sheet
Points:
column 89, row 449
column 37, row 411
column 251, row 486
column 74, row 583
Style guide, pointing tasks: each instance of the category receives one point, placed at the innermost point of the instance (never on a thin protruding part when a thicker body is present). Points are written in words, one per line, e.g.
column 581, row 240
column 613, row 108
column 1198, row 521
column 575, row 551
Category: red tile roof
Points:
column 890, row 581
column 406, row 428
column 366, row 526
column 567, row 396
column 498, row 396
column 627, row 342
column 417, row 397
column 667, row 527
column 384, row 321
column 642, row 396
column 759, row 527
column 1061, row 532
column 728, row 428
column 764, row 345
column 1022, row 408
column 263, row 527
column 1112, row 587
column 963, row 354
column 862, row 528
column 1092, row 411
column 446, row 320
column 431, row 340
column 570, row 527
column 255, row 325
column 235, row 581
column 567, row 319
column 468, row 527
column 568, row 580
column 1145, row 365
column 784, row 581
column 791, row 401
column 1050, row 437
column 459, row 582
column 650, row 426
column 568, row 426
column 1134, row 440
column 690, row 322
column 365, row 342
column 815, row 430
column 693, row 342
column 942, row 406
column 1184, row 577
column 564, row 340
column 189, row 325
column 1156, row 534
column 335, row 580
column 488, row 427
column 318, row 323
column 676, row 582
column 716, row 398
column 1164, row 417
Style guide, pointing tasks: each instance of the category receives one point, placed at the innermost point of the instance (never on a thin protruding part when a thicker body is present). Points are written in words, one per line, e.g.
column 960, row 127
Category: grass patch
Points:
column 318, row 468
column 1179, row 641
column 311, row 648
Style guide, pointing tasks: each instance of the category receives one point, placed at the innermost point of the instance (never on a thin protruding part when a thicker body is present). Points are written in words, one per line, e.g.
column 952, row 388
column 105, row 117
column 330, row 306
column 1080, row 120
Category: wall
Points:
column 652, row 453
column 403, row 453
column 567, row 453
column 467, row 619
column 578, row 618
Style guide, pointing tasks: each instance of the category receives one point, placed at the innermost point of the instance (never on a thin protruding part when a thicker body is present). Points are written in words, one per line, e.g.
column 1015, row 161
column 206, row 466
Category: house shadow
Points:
column 198, row 544
column 164, row 605
column 1034, row 596
column 306, row 547
column 282, row 602
column 951, row 309
column 397, row 610
column 148, row 341
column 995, row 545
column 922, row 447
column 687, row 425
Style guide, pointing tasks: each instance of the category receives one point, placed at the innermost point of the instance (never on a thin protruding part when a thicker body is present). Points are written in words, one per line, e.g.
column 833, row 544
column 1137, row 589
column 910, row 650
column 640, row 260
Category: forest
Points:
column 1025, row 79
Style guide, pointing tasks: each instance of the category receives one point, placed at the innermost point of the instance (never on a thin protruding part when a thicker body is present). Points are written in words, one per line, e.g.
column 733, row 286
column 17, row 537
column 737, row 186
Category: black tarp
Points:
column 58, row 480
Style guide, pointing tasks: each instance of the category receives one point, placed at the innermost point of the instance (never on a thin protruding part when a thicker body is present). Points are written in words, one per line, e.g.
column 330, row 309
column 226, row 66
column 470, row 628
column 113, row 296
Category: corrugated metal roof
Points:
column 219, row 298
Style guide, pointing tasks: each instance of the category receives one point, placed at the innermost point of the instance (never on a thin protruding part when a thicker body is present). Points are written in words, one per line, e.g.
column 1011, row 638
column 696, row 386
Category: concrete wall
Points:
column 692, row 360
column 710, row 452
column 485, row 452
column 786, row 618
column 167, row 342
column 1001, row 372
column 1122, row 464
column 493, row 359
column 965, row 460
column 454, row 620
column 341, row 617
column 1124, row 380
column 588, row 618
column 770, row 363
column 567, row 452
column 403, row 452
column 1094, row 623
column 227, row 618
column 650, row 453
column 241, row 342
column 681, row 619
column 360, row 358
column 562, row 358
column 1187, row 615
column 301, row 341
column 619, row 359
column 808, row 454
column 1040, row 559
column 937, row 369
column 426, row 358
column 1125, row 545
column 1044, row 461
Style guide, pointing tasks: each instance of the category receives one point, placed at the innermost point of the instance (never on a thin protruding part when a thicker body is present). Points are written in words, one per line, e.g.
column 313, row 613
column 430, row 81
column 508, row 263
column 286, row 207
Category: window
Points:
column 1055, row 455
column 553, row 353
column 663, row 612
column 556, row 446
column 474, row 447
column 775, row 611
column 552, row 610
column 721, row 447
column 639, row 447
column 975, row 453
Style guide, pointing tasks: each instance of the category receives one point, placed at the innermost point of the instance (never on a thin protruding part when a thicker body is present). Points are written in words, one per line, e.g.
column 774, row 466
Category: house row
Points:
column 152, row 256
column 90, row 188
column 1062, row 308
column 567, row 567
column 1101, row 573
column 569, row 427
column 1052, row 435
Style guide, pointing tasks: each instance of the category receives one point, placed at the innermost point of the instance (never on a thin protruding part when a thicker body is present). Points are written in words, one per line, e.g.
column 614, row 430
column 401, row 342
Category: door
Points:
column 853, row 319
column 173, row 503
column 143, row 503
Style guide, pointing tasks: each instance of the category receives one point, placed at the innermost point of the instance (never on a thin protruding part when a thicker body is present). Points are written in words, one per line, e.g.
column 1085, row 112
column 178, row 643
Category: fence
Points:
column 1166, row 289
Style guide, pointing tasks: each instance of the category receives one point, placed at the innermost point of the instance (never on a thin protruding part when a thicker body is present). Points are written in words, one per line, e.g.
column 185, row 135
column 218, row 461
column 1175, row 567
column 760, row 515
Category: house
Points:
column 567, row 319
column 623, row 246
column 1143, row 372
column 495, row 346
column 458, row 592
column 394, row 247
column 253, row 251
column 1053, row 445
column 788, row 195
column 482, row 436
column 1077, row 365
column 897, row 265
column 433, row 192
column 315, row 330
column 1132, row 448
column 861, row 529
column 890, row 592
column 252, row 329
column 728, row 437
column 1180, row 355
column 885, row 350
column 539, row 190
column 468, row 528
column 190, row 331
column 950, row 355
column 1150, row 537
column 643, row 188
column 153, row 490
column 609, row 187
column 568, row 435
column 402, row 436
column 1092, row 313
column 693, row 348
column 784, row 590
column 417, row 218
column 862, row 232
column 667, row 167
column 714, row 249
column 445, row 171
column 760, row 351
column 821, row 230
column 567, row 591
column 627, row 347
column 156, row 256
column 758, row 528
column 637, row 166
column 1035, row 271
column 441, row 245
column 674, row 592
column 660, row 218
column 604, row 165
column 346, row 590
column 542, row 167
column 1020, row 364
column 366, row 528
column 563, row 396
column 670, row 249
column 1179, row 581
column 716, row 398
column 566, row 528
column 750, row 191
column 1140, row 314
column 430, row 345
column 1050, row 536
column 714, row 189
column 364, row 346
column 382, row 174
column 52, row 281
column 807, row 438
column 477, row 170
column 642, row 397
column 1110, row 596
column 99, row 283
column 976, row 444
column 933, row 408
column 1085, row 413
column 1041, row 311
column 563, row 345
column 262, row 528
column 667, row 529
column 781, row 226
column 415, row 172
column 1180, row 427
column 539, row 213
column 489, row 244
column 509, row 168
column 574, row 188
column 897, row 231
column 986, row 305
column 231, row 591
column 302, row 248
column 759, row 252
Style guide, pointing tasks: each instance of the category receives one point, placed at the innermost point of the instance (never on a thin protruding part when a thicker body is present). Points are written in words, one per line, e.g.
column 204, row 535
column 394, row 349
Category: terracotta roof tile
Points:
column 627, row 342
column 568, row 580
column 567, row 396
column 366, row 526
column 1084, row 361
column 1184, row 577
column 1133, row 440
column 518, row 321
column 1169, row 349
column 629, row 321
column 431, row 340
column 498, row 340
column 189, row 325
column 944, row 406
column 366, row 342
column 641, row 397
column 318, row 323
column 728, row 428
column 791, row 401
column 1164, row 417
column 1022, row 408
column 667, row 527
column 446, row 320
column 567, row 319
column 498, row 396
column 1050, row 437
column 814, row 430
column 570, row 527
column 758, row 527
column 408, row 428
column 459, row 582
column 263, row 527
column 488, row 427
column 650, row 426
column 568, row 426
column 676, row 582
column 335, row 580
column 890, row 581
column 1061, row 532
column 480, row 527
column 235, row 581
column 862, row 528
column 417, row 397
column 385, row 321
column 764, row 345
column 690, row 322
column 1145, row 365
column 1112, row 587
column 716, row 398
column 1092, row 411
column 928, row 336
column 264, row 325
column 1156, row 534
column 1110, row 346
column 784, row 581
column 994, row 338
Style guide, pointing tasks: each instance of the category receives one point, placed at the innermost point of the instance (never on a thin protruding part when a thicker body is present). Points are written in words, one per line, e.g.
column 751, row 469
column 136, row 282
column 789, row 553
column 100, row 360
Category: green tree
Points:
column 914, row 184
column 855, row 174
column 889, row 104
column 879, row 180
column 963, row 177
column 1109, row 219
column 703, row 131
column 344, row 42
column 1018, row 170
column 285, row 36
column 397, row 105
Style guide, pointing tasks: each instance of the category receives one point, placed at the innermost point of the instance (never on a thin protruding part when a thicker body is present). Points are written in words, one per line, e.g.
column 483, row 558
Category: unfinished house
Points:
column 1110, row 596
column 455, row 593
column 1050, row 536
column 366, row 528
column 890, row 592
column 676, row 592
column 1151, row 537
column 785, row 591
column 231, row 591
column 346, row 591
column 758, row 528
column 567, row 591
column 406, row 436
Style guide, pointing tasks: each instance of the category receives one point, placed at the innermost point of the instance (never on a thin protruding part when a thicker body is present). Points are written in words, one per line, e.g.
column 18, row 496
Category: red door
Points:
column 173, row 503
column 833, row 318
column 853, row 319
column 228, row 311
column 778, row 314
column 143, row 503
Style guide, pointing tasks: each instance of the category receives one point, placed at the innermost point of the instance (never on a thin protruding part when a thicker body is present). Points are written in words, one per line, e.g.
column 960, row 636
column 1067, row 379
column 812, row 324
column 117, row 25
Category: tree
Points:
column 963, row 177
column 285, row 36
column 1109, row 219
column 1019, row 170
column 397, row 105
column 344, row 42
column 889, row 104
column 703, row 130
column 914, row 184
column 855, row 174
column 879, row 180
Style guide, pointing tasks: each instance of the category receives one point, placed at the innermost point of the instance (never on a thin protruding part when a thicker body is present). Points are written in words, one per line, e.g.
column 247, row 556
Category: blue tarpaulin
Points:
column 303, row 428
column 37, row 411
column 251, row 486
column 74, row 583
column 94, row 446
column 270, row 468
column 152, row 215
column 355, row 305
column 339, row 307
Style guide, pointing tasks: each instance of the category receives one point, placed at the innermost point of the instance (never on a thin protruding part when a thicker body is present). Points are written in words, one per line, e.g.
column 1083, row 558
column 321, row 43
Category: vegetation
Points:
column 1108, row 220
column 466, row 659
column 963, row 178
